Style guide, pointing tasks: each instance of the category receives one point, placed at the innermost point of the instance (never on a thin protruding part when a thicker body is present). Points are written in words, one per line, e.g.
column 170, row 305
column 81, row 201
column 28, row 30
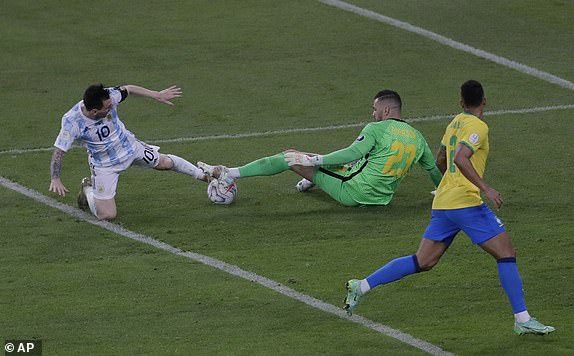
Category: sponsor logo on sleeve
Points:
column 360, row 138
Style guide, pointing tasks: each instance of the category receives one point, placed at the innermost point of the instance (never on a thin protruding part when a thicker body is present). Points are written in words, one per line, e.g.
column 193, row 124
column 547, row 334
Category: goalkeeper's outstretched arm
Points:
column 352, row 153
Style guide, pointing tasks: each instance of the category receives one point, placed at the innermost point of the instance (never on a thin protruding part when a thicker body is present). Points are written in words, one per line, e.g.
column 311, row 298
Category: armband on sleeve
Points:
column 123, row 92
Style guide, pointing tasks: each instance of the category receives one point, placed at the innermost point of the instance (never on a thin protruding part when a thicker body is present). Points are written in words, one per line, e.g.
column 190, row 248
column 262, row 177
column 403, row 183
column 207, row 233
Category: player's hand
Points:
column 56, row 186
column 494, row 197
column 302, row 159
column 166, row 95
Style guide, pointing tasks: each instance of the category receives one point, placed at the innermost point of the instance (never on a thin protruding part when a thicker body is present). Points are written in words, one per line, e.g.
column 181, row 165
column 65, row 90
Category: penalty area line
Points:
column 307, row 129
column 225, row 267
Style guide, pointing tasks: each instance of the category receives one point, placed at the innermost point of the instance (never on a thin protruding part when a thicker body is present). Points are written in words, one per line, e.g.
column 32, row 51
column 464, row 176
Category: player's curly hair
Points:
column 472, row 93
column 94, row 96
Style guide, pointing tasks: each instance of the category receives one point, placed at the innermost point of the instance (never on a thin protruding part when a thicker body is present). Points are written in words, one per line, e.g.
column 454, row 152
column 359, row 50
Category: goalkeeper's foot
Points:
column 82, row 199
column 221, row 173
column 304, row 185
column 354, row 294
column 532, row 326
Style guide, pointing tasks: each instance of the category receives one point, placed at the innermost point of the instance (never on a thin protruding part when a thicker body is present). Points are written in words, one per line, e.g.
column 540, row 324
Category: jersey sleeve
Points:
column 117, row 94
column 358, row 149
column 69, row 132
column 427, row 160
column 474, row 136
column 444, row 141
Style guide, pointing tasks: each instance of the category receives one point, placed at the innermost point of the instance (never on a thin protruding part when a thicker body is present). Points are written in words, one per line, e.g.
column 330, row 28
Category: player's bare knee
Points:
column 107, row 213
column 107, row 216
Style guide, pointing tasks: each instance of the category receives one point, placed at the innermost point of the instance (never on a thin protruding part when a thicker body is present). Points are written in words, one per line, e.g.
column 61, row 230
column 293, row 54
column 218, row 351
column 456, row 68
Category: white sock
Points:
column 182, row 166
column 365, row 287
column 522, row 317
column 233, row 173
column 89, row 192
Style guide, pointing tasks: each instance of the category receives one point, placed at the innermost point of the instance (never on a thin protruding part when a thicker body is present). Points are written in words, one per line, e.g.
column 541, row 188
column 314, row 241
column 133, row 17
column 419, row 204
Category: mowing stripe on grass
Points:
column 226, row 267
column 551, row 78
column 307, row 129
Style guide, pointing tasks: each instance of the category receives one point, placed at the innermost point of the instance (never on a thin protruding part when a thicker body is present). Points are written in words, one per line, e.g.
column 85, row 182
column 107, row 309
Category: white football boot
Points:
column 221, row 173
column 304, row 185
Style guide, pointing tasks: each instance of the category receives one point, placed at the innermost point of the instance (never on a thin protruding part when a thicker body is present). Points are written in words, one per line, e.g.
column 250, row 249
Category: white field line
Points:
column 451, row 43
column 305, row 129
column 226, row 267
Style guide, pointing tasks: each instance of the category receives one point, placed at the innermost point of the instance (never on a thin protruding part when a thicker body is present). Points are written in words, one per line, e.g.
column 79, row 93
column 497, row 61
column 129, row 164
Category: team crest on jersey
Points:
column 473, row 138
column 360, row 138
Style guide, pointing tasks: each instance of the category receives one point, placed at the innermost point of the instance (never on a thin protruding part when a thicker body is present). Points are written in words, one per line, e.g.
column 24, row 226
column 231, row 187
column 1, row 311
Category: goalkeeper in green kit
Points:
column 383, row 154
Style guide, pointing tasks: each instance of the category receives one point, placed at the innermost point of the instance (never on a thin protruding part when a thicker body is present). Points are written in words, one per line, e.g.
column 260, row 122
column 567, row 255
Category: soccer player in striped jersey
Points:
column 111, row 148
column 384, row 153
column 458, row 206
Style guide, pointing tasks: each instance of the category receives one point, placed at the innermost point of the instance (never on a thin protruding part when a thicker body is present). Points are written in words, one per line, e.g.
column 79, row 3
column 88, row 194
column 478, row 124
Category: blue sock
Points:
column 511, row 283
column 394, row 270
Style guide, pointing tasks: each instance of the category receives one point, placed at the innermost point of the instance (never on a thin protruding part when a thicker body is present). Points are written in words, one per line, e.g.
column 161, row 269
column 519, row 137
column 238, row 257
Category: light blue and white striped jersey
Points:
column 107, row 140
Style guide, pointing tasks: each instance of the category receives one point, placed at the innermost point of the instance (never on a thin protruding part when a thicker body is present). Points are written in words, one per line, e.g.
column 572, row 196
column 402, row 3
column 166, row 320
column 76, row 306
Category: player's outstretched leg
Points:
column 266, row 166
column 304, row 185
column 392, row 271
column 178, row 164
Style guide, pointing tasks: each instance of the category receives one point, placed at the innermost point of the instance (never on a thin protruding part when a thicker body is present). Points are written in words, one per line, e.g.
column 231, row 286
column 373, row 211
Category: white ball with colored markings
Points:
column 221, row 193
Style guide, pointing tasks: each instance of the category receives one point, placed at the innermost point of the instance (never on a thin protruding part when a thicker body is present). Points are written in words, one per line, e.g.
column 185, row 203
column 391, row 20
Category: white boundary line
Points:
column 226, row 267
column 305, row 129
column 451, row 43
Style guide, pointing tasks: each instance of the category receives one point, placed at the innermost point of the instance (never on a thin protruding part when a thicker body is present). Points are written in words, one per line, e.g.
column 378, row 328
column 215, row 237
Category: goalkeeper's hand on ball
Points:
column 303, row 159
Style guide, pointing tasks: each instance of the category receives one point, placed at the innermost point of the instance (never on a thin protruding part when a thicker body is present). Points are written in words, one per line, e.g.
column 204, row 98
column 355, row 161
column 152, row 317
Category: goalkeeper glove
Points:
column 303, row 159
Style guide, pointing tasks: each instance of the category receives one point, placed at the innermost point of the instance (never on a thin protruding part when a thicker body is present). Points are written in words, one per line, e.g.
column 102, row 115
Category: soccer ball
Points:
column 220, row 193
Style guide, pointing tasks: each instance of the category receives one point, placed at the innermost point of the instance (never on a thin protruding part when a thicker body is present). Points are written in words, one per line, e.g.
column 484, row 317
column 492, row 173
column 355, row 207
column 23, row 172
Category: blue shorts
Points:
column 478, row 222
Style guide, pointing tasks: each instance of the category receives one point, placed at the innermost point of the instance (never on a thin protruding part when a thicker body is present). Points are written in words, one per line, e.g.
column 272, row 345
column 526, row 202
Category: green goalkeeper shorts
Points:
column 331, row 183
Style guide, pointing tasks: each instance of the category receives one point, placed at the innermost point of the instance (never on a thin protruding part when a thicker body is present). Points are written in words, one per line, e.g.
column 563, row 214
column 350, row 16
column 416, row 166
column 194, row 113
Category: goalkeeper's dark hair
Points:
column 94, row 96
column 390, row 95
column 472, row 93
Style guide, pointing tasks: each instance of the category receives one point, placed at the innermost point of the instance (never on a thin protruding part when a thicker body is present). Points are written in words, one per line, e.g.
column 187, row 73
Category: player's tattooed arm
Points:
column 56, row 164
column 56, row 184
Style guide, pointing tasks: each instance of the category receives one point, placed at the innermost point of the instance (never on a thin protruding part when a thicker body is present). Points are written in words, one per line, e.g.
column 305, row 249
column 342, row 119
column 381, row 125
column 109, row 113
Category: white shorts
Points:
column 105, row 180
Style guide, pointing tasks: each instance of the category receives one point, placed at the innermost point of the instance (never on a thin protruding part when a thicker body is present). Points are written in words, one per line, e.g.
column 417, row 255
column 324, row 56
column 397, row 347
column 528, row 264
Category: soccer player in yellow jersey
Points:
column 458, row 206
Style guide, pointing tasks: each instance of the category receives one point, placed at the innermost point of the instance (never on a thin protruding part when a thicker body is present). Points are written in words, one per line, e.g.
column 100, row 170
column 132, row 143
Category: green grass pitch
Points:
column 253, row 66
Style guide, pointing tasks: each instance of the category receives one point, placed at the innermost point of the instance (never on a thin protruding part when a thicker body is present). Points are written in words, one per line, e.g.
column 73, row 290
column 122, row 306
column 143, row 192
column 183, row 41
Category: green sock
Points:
column 266, row 166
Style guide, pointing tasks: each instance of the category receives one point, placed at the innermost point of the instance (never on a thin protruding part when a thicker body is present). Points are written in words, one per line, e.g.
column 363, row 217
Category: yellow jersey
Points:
column 454, row 190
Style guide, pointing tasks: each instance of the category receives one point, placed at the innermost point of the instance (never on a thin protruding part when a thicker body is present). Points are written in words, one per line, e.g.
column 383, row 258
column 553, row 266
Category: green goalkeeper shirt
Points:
column 386, row 151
